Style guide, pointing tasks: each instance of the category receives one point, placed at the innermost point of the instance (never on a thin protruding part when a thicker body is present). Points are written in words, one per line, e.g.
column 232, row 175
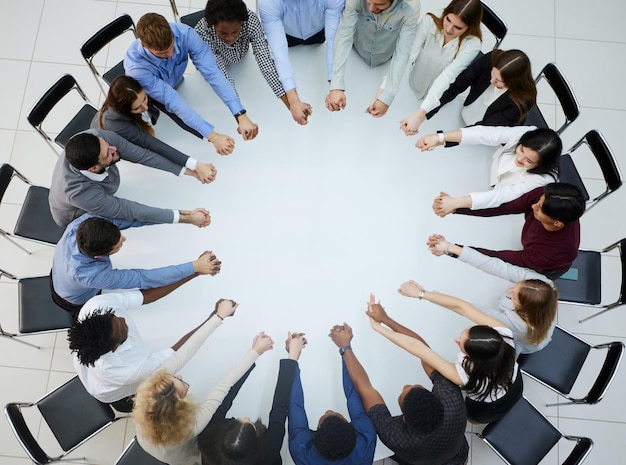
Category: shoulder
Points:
column 117, row 301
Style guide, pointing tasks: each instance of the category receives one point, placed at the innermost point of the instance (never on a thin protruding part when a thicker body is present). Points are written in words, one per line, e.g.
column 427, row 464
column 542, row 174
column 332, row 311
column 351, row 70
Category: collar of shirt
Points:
column 98, row 177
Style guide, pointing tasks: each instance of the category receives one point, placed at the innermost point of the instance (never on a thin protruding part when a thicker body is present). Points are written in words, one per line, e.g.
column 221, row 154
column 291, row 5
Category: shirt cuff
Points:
column 191, row 163
column 176, row 216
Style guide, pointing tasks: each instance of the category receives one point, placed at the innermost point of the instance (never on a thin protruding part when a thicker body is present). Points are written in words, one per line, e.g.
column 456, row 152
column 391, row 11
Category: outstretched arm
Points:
column 342, row 336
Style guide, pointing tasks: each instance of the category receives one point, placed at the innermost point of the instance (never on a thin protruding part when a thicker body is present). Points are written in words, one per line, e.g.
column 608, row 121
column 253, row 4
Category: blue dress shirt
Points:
column 159, row 76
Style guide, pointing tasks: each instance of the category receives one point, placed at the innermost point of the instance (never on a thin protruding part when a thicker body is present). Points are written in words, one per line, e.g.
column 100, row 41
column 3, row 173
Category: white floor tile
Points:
column 25, row 29
column 596, row 25
column 14, row 76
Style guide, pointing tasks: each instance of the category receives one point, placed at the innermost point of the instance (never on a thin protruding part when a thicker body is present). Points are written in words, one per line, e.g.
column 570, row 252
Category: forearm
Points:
column 398, row 328
column 154, row 294
column 189, row 344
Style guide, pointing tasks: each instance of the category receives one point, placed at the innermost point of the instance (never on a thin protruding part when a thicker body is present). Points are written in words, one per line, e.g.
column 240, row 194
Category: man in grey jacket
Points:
column 85, row 180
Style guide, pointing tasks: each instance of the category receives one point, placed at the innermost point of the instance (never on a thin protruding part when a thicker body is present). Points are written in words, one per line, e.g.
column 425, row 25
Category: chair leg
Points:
column 15, row 338
column 609, row 307
column 564, row 403
column 8, row 237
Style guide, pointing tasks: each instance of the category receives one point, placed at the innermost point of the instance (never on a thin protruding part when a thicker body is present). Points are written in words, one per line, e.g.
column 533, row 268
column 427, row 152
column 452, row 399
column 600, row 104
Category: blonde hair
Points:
column 163, row 416
column 538, row 306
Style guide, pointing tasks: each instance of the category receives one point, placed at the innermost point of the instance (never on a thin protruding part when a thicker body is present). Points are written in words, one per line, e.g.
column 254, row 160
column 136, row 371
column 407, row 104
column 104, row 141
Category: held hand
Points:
column 341, row 335
column 377, row 108
column 205, row 172
column 410, row 289
column 225, row 308
column 375, row 310
column 262, row 343
column 427, row 143
column 294, row 344
column 300, row 112
column 224, row 145
column 444, row 204
column 336, row 100
column 410, row 125
column 200, row 217
column 207, row 263
column 247, row 128
column 437, row 244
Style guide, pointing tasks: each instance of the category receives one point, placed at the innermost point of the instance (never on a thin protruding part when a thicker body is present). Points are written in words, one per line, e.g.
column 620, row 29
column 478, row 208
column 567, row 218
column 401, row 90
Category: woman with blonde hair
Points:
column 168, row 421
column 529, row 307
column 127, row 111
column 444, row 46
column 501, row 92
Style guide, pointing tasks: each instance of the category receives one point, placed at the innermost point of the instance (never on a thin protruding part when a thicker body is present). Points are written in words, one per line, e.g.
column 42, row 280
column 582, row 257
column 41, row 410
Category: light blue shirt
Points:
column 377, row 38
column 78, row 277
column 301, row 19
column 159, row 76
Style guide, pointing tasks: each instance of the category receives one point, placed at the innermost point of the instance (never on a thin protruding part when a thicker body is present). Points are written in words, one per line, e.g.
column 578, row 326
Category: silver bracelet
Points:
column 420, row 296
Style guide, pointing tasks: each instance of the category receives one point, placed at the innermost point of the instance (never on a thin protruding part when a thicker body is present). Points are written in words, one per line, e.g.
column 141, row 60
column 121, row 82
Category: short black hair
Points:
column 96, row 237
column 82, row 151
column 90, row 338
column 563, row 202
column 422, row 410
column 335, row 438
column 225, row 10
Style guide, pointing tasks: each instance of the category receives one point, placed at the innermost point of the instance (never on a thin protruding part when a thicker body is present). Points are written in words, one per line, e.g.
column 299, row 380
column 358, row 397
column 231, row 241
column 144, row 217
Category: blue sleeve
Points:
column 105, row 277
column 355, row 406
column 299, row 433
column 366, row 432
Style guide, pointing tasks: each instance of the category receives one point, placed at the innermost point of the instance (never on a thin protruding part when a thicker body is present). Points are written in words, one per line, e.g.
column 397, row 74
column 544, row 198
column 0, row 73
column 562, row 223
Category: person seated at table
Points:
column 528, row 308
column 86, row 178
column 306, row 22
column 551, row 231
column 109, row 354
column 527, row 157
column 128, row 112
column 444, row 46
column 158, row 59
column 501, row 92
column 241, row 441
column 486, row 368
column 431, row 427
column 230, row 27
column 336, row 441
column 168, row 420
column 81, row 266
column 381, row 31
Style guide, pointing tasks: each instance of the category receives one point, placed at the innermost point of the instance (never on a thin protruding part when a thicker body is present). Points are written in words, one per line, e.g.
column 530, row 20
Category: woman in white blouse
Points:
column 444, row 46
column 526, row 158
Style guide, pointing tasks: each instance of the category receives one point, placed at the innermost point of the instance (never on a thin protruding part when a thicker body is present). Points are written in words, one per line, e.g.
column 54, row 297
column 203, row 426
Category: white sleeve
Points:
column 507, row 192
column 492, row 135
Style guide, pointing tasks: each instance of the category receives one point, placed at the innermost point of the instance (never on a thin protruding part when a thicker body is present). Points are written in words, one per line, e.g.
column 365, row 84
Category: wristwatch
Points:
column 238, row 114
column 342, row 349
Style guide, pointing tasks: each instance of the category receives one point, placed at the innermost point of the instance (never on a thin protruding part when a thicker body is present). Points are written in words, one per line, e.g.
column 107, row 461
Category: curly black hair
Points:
column 422, row 410
column 225, row 10
column 90, row 338
column 335, row 438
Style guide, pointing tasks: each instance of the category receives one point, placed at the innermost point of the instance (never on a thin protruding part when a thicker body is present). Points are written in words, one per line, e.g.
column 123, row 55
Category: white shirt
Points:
column 116, row 375
column 475, row 111
column 509, row 181
column 434, row 66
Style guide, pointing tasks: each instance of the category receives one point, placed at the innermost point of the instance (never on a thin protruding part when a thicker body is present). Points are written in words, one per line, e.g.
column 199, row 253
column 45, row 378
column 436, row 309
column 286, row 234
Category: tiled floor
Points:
column 585, row 41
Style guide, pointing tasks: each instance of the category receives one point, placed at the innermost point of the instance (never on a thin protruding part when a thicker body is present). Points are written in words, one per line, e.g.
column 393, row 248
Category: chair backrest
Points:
column 494, row 23
column 563, row 92
column 192, row 18
column 101, row 38
column 607, row 372
column 71, row 413
column 42, row 108
column 6, row 174
column 135, row 455
column 559, row 363
column 606, row 161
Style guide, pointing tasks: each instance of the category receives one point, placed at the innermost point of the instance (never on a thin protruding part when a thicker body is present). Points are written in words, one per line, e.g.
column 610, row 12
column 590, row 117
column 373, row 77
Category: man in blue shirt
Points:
column 158, row 59
column 336, row 441
column 81, row 266
column 287, row 23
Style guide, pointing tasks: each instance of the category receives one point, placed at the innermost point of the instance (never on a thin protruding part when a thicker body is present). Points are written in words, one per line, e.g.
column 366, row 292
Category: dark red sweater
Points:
column 548, row 252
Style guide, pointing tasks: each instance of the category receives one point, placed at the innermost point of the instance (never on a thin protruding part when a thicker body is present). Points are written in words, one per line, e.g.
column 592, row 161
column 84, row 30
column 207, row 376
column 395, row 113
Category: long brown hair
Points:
column 538, row 305
column 468, row 11
column 514, row 67
column 123, row 91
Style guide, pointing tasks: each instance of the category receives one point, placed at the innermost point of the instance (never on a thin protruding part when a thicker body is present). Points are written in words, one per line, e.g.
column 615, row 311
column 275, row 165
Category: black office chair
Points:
column 34, row 222
column 190, row 20
column 601, row 151
column 37, row 312
column 101, row 39
column 55, row 94
column 72, row 415
column 135, row 455
column 582, row 283
column 523, row 436
column 558, row 365
column 563, row 92
column 494, row 23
